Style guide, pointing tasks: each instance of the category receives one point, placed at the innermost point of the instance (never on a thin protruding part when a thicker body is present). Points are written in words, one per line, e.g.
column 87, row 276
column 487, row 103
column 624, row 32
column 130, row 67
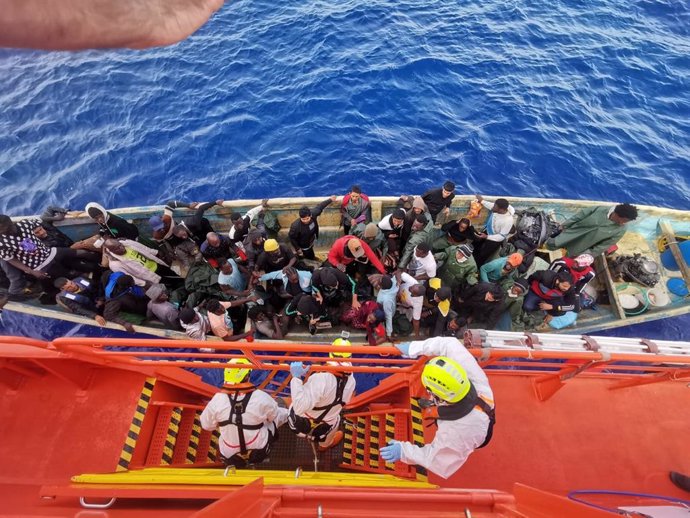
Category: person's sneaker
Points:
column 679, row 480
column 336, row 440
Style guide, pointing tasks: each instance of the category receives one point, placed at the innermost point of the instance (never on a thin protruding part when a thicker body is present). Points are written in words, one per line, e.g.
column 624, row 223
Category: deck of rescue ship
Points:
column 582, row 424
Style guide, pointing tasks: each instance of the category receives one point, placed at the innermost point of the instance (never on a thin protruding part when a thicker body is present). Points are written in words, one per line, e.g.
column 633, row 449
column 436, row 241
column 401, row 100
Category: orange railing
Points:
column 549, row 359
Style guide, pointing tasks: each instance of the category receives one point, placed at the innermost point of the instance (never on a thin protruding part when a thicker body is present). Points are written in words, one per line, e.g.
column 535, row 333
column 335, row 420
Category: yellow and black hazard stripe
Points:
column 347, row 442
column 374, row 440
column 194, row 439
column 390, row 434
column 171, row 437
column 359, row 442
column 135, row 426
column 213, row 447
column 418, row 434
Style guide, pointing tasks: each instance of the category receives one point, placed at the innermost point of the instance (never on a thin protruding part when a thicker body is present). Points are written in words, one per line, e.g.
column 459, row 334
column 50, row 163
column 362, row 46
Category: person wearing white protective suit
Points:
column 248, row 418
column 464, row 401
column 318, row 402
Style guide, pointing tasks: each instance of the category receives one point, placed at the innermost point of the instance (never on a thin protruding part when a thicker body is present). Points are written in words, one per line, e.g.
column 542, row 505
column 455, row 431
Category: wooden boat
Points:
column 580, row 421
column 643, row 237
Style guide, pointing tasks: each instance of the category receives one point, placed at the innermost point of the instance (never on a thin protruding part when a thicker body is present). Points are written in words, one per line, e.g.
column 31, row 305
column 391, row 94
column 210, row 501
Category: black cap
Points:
column 304, row 212
column 235, row 216
column 399, row 214
column 522, row 282
column 328, row 277
column 449, row 186
column 307, row 305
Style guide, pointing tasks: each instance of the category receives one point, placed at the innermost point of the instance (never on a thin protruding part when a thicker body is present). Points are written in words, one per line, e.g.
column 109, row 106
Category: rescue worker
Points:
column 318, row 402
column 247, row 418
column 460, row 391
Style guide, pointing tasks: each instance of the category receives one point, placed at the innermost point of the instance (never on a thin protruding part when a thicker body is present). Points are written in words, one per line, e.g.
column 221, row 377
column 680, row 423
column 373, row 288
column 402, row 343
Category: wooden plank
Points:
column 602, row 269
column 670, row 235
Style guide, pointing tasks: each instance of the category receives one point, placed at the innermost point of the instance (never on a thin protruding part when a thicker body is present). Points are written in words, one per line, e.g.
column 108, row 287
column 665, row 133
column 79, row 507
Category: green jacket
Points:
column 201, row 283
column 421, row 236
column 453, row 273
column 588, row 230
column 514, row 307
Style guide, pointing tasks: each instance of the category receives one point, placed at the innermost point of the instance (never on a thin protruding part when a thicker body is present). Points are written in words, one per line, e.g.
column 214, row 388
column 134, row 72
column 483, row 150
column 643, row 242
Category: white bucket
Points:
column 658, row 297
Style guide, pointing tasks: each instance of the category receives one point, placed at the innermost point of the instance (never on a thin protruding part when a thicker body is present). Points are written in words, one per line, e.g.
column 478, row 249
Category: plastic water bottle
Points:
column 475, row 209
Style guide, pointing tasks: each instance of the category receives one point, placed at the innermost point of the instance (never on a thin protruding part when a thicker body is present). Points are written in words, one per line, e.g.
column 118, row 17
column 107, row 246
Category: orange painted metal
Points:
column 585, row 435
column 535, row 503
column 246, row 502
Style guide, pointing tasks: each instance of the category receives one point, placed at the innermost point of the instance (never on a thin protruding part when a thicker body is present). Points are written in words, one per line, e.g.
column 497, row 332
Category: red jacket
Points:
column 580, row 277
column 337, row 255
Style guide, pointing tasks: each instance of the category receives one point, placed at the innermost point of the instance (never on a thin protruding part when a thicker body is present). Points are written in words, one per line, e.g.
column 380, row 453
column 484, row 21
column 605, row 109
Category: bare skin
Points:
column 91, row 24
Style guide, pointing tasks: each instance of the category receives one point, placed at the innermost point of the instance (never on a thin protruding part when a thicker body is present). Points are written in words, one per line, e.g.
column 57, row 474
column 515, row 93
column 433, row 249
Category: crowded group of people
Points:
column 420, row 270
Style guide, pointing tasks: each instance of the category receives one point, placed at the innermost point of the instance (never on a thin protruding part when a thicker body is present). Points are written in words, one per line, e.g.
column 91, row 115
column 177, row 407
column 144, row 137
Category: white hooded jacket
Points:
column 262, row 409
column 318, row 391
column 454, row 440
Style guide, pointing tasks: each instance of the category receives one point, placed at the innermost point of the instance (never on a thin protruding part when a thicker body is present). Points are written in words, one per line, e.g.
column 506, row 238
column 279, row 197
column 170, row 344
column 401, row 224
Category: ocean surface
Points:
column 586, row 99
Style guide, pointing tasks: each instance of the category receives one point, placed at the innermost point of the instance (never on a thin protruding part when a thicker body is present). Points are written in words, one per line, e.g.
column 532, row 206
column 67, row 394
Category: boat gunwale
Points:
column 72, row 219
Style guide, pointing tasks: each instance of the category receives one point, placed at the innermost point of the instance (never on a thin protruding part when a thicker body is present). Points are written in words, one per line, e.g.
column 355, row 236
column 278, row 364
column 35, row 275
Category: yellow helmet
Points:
column 271, row 245
column 446, row 379
column 236, row 374
column 342, row 342
column 435, row 283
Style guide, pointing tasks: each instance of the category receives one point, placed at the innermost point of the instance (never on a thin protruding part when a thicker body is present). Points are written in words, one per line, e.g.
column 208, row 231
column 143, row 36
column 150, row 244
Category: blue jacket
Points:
column 492, row 271
column 304, row 279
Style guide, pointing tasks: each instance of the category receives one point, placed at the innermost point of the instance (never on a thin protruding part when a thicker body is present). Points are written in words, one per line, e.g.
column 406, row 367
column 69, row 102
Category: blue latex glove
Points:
column 392, row 452
column 298, row 370
column 404, row 348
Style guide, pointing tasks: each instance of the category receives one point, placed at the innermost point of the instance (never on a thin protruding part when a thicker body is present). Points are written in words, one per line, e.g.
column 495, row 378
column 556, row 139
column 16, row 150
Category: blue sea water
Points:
column 584, row 99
